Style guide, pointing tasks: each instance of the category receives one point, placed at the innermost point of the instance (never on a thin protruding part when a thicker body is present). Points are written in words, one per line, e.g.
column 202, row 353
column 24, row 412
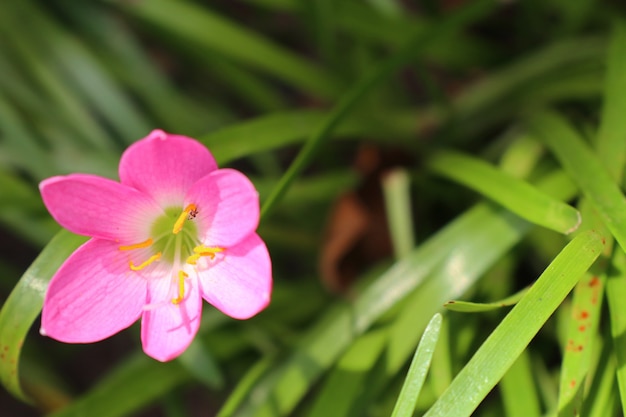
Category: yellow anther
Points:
column 178, row 226
column 146, row 263
column 181, row 287
column 140, row 245
column 201, row 250
column 206, row 250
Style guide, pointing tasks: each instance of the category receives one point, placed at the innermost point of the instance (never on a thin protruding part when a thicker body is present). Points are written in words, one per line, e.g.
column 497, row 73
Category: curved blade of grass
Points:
column 516, row 195
column 516, row 330
column 405, row 406
column 199, row 26
column 24, row 305
column 586, row 170
column 470, row 307
column 349, row 101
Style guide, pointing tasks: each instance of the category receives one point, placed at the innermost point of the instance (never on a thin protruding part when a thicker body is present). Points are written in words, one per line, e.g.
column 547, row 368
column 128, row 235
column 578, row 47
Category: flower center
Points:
column 174, row 238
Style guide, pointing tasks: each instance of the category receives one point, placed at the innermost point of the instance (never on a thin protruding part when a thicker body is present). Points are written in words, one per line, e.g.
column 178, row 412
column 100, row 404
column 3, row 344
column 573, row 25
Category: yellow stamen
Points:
column 146, row 263
column 140, row 245
column 178, row 226
column 201, row 251
column 205, row 250
column 181, row 287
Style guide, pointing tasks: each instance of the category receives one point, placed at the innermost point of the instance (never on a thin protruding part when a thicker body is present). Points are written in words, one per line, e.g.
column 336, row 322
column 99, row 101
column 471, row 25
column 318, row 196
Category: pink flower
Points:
column 174, row 230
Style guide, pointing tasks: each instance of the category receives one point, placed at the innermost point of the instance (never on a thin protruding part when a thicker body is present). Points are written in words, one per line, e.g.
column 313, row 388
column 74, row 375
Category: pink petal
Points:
column 165, row 166
column 240, row 283
column 93, row 295
column 168, row 329
column 228, row 207
column 99, row 207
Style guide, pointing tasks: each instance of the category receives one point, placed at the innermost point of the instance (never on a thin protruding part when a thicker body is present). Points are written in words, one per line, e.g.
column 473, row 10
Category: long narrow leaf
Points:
column 419, row 367
column 516, row 195
column 24, row 305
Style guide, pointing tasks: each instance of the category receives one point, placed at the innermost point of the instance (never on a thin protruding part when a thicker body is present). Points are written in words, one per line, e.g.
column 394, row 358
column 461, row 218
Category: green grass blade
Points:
column 397, row 193
column 471, row 307
column 516, row 195
column 612, row 131
column 405, row 406
column 516, row 330
column 24, row 305
column 586, row 170
column 582, row 329
column 353, row 97
column 199, row 26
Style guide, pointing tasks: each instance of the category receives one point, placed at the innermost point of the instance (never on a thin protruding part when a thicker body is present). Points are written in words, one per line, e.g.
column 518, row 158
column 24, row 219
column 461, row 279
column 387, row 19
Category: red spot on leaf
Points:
column 594, row 282
column 582, row 328
column 572, row 383
column 584, row 315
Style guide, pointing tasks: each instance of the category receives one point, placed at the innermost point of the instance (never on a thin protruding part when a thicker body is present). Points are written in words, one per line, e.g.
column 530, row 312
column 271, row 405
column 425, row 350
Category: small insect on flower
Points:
column 146, row 259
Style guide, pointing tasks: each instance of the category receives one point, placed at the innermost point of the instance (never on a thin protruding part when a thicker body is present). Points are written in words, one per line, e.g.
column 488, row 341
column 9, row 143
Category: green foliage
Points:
column 484, row 145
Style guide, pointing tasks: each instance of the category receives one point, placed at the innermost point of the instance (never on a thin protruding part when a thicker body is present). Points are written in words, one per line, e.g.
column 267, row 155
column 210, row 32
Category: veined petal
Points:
column 240, row 283
column 93, row 295
column 228, row 207
column 99, row 207
column 167, row 328
column 165, row 166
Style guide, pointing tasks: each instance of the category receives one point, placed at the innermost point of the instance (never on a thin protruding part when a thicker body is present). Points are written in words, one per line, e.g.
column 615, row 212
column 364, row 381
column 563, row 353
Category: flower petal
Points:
column 228, row 207
column 239, row 284
column 165, row 166
column 168, row 329
column 93, row 295
column 99, row 207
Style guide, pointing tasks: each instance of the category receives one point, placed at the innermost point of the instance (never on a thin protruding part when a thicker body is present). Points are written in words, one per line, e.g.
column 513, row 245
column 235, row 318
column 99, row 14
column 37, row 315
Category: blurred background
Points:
column 254, row 79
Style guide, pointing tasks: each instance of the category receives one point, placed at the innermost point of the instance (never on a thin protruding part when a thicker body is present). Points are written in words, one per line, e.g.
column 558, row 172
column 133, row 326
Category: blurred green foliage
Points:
column 448, row 145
